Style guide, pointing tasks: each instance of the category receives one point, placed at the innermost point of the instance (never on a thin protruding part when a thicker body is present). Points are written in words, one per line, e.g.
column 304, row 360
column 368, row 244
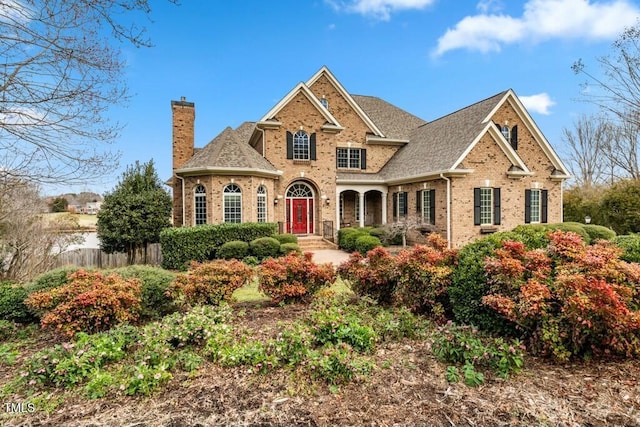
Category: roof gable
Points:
column 324, row 71
column 510, row 97
column 304, row 90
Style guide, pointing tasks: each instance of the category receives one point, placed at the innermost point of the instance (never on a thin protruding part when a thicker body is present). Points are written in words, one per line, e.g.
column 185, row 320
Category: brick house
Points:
column 322, row 159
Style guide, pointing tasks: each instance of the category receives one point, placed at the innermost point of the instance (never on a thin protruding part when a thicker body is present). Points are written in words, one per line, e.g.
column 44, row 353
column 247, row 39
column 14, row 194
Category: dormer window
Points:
column 511, row 135
column 324, row 102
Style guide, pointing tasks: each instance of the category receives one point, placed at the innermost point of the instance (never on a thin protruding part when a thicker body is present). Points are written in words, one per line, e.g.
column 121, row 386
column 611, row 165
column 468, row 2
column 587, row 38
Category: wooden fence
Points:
column 89, row 257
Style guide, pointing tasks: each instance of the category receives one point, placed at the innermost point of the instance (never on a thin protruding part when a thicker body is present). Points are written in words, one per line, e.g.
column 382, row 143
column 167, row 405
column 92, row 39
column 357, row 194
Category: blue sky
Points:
column 236, row 59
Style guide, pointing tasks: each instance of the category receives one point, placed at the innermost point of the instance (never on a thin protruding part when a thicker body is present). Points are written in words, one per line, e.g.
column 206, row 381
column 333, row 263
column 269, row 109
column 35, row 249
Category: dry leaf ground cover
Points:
column 406, row 386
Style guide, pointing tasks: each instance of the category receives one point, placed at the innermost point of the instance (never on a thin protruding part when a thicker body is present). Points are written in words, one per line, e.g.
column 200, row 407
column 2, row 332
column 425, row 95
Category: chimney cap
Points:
column 183, row 102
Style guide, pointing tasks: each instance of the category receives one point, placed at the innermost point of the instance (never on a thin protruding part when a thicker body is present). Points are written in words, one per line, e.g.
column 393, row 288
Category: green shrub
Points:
column 185, row 244
column 251, row 261
column 235, row 249
column 347, row 237
column 380, row 233
column 51, row 279
column 598, row 232
column 265, row 247
column 630, row 245
column 285, row 248
column 286, row 238
column 364, row 244
column 154, row 283
column 12, row 306
column 334, row 325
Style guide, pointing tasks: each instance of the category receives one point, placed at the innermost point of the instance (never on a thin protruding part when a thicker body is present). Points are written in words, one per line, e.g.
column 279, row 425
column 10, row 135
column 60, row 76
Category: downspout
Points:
column 183, row 210
column 448, row 209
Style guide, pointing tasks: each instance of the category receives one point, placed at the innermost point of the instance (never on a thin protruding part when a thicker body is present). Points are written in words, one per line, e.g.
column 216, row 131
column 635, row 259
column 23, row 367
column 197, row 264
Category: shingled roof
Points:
column 437, row 145
column 230, row 149
column 394, row 122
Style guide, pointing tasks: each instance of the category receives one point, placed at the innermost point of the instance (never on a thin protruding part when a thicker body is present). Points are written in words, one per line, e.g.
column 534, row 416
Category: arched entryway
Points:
column 300, row 206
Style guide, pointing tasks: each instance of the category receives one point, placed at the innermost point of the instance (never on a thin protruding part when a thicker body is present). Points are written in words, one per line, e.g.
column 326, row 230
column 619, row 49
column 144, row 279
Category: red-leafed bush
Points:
column 90, row 302
column 424, row 274
column 569, row 299
column 375, row 276
column 210, row 282
column 417, row 278
column 293, row 277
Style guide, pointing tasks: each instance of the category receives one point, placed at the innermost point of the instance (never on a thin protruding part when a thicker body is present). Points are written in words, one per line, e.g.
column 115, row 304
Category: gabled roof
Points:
column 324, row 71
column 394, row 122
column 303, row 89
column 230, row 152
column 437, row 145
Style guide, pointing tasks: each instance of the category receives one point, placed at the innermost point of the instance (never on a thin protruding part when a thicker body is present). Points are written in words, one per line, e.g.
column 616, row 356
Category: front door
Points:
column 299, row 216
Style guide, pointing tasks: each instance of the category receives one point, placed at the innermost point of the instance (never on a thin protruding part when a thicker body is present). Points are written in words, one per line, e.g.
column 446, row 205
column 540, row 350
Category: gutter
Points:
column 448, row 209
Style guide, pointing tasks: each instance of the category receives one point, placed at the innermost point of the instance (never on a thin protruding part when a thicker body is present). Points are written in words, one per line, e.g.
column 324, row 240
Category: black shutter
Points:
column 312, row 148
column 405, row 208
column 418, row 201
column 496, row 206
column 395, row 205
column 514, row 137
column 363, row 158
column 432, row 206
column 527, row 206
column 499, row 128
column 544, row 202
column 337, row 149
column 476, row 206
column 289, row 145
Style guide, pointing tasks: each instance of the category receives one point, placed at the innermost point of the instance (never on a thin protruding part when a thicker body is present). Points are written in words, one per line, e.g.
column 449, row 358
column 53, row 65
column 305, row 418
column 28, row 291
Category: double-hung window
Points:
column 200, row 203
column 426, row 205
column 400, row 205
column 262, row 204
column 351, row 158
column 486, row 206
column 232, row 201
column 535, row 206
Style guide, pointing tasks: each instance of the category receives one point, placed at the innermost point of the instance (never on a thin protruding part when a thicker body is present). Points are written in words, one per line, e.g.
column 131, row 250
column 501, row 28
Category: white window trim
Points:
column 426, row 211
column 224, row 202
column 349, row 151
column 197, row 196
column 490, row 189
column 307, row 138
column 531, row 207
column 262, row 198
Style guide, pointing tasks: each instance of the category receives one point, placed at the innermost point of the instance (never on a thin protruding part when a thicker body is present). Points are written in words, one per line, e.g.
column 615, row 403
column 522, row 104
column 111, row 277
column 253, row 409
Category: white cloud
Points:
column 539, row 103
column 485, row 6
column 378, row 9
column 540, row 20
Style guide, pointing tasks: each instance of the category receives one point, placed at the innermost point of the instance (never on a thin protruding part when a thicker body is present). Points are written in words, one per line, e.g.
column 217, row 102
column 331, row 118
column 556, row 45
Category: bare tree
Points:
column 589, row 142
column 623, row 149
column 617, row 92
column 409, row 226
column 60, row 70
column 29, row 241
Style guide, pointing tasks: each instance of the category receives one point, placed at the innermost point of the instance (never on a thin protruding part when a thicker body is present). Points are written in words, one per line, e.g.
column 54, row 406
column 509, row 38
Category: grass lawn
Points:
column 83, row 220
column 251, row 294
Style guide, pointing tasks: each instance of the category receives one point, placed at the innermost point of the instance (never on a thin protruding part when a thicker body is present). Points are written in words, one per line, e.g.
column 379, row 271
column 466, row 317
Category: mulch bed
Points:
column 411, row 391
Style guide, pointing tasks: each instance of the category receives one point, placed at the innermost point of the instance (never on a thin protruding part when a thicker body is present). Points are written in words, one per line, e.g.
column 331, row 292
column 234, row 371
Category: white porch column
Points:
column 384, row 207
column 337, row 207
column 361, row 209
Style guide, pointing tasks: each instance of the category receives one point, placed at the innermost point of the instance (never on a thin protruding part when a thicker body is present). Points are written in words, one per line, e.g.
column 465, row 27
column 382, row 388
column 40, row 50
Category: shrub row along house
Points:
column 322, row 159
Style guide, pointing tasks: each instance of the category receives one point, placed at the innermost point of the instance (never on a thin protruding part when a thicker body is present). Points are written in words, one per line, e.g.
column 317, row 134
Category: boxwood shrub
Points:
column 365, row 243
column 285, row 248
column 235, row 249
column 264, row 247
column 573, row 227
column 52, row 279
column 347, row 237
column 12, row 307
column 182, row 245
column 597, row 232
column 630, row 245
column 286, row 238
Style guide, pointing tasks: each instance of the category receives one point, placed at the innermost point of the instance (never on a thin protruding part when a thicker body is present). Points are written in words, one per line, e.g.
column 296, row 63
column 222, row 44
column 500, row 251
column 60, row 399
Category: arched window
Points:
column 262, row 204
column 301, row 145
column 506, row 132
column 232, row 203
column 300, row 190
column 200, row 205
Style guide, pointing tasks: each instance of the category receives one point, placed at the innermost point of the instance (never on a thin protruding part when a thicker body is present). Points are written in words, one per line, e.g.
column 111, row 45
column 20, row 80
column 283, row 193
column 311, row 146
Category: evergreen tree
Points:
column 135, row 212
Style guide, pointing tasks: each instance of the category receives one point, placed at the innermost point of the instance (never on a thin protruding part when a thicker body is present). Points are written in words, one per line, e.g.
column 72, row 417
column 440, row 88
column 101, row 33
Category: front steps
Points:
column 314, row 243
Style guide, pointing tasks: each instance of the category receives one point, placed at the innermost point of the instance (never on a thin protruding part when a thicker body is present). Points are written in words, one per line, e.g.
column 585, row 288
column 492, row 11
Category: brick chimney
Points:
column 184, row 116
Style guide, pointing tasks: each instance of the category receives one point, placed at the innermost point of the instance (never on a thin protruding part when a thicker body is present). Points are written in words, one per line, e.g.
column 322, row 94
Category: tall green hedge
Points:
column 185, row 244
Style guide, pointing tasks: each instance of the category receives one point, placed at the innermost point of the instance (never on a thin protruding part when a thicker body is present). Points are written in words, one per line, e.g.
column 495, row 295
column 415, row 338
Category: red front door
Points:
column 299, row 216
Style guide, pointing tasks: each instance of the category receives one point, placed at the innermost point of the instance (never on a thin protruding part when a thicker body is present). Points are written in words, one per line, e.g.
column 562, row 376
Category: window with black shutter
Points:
column 514, row 137
column 289, row 145
column 312, row 146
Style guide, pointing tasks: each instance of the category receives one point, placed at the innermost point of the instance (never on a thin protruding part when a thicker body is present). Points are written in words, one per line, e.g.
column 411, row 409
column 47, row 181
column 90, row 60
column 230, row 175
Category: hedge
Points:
column 599, row 232
column 264, row 247
column 365, row 243
column 182, row 245
column 285, row 248
column 286, row 238
column 347, row 237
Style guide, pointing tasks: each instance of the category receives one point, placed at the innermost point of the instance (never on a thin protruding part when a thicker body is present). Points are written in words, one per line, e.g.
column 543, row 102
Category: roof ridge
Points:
column 467, row 107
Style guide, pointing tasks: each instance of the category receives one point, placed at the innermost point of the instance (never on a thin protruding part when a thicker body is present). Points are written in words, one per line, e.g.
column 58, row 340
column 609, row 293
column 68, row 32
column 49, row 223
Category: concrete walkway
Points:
column 333, row 256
